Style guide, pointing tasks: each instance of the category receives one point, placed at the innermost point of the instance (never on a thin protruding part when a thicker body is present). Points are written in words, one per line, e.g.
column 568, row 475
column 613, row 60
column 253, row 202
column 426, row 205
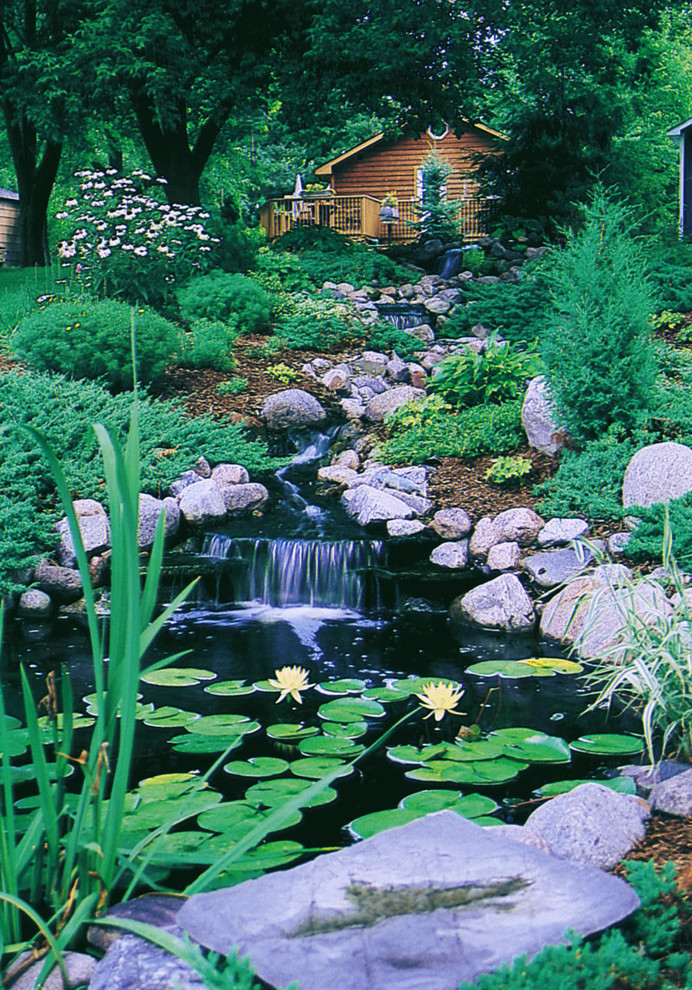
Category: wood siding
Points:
column 9, row 231
column 392, row 166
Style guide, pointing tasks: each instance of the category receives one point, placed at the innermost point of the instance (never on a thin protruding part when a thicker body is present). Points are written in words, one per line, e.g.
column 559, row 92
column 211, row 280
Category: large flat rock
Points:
column 420, row 907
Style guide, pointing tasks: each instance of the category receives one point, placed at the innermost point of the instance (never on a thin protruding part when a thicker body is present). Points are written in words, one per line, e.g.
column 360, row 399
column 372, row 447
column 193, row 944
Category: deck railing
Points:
column 358, row 217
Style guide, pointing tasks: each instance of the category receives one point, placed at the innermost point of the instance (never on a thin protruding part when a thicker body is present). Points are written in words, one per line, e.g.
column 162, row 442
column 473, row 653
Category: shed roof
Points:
column 8, row 194
column 678, row 130
column 326, row 169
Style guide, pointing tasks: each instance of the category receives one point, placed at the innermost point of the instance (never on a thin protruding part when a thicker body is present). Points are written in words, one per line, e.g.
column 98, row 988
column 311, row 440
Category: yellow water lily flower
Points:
column 290, row 680
column 440, row 698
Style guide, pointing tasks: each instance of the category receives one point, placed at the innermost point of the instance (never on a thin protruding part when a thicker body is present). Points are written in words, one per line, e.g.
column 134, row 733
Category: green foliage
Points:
column 656, row 924
column 597, row 342
column 22, row 290
column 670, row 265
column 334, row 260
column 212, row 344
column 467, row 433
column 499, row 373
column 280, row 271
column 517, row 309
column 509, row 471
column 87, row 339
column 437, row 215
column 282, row 373
column 318, row 324
column 229, row 298
column 62, row 411
column 383, row 336
column 646, row 542
column 233, row 386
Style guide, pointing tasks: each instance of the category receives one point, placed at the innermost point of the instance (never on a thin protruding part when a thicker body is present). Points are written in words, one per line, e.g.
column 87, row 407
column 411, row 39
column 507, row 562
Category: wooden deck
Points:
column 358, row 217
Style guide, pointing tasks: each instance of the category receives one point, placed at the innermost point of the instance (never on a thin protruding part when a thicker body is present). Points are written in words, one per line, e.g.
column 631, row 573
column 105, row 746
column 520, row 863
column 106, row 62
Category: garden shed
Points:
column 362, row 176
column 682, row 135
column 9, row 227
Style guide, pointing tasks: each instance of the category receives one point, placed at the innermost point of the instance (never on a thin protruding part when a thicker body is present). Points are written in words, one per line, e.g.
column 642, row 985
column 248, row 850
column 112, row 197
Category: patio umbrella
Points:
column 296, row 195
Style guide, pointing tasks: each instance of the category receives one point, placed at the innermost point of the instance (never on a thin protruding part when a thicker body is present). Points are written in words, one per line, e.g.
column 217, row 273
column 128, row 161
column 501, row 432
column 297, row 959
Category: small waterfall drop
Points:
column 403, row 316
column 285, row 573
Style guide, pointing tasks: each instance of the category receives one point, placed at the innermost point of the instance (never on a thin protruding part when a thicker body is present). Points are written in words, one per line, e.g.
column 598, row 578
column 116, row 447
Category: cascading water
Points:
column 403, row 316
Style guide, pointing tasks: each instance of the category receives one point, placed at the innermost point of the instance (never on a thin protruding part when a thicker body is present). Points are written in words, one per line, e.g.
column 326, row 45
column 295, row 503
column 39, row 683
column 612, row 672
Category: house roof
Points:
column 326, row 169
column 8, row 194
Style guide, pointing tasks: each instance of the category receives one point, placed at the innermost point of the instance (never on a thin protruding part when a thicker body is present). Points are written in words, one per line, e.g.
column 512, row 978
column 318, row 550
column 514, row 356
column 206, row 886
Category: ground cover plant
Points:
column 222, row 296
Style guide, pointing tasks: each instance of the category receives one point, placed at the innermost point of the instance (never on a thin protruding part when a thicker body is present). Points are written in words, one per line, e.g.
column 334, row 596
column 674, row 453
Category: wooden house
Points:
column 682, row 135
column 9, row 227
column 360, row 178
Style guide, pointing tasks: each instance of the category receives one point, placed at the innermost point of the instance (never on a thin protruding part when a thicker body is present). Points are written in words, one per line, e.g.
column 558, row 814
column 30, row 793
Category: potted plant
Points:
column 389, row 208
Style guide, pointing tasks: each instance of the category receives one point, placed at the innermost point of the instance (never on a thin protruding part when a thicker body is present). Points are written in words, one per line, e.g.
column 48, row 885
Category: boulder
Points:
column 150, row 509
column 94, row 527
column 241, row 500
column 202, row 503
column 559, row 531
column 539, row 417
column 186, row 479
column 504, row 557
column 34, row 604
column 420, row 505
column 79, row 967
column 382, row 405
column 657, row 473
column 397, row 370
column 590, row 824
column 500, row 604
column 553, row 567
column 366, row 504
column 348, row 458
column 485, row 535
column 371, row 363
column 427, row 905
column 225, row 475
column 423, row 332
column 292, row 409
column 521, row 526
column 63, row 584
column 451, row 524
column 674, row 795
column 337, row 379
column 405, row 527
column 452, row 555
column 337, row 475
column 133, row 963
column 352, row 408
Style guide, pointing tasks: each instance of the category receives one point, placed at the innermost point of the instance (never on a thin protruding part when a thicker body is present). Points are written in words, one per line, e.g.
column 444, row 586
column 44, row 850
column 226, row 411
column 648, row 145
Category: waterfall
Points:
column 403, row 315
column 285, row 573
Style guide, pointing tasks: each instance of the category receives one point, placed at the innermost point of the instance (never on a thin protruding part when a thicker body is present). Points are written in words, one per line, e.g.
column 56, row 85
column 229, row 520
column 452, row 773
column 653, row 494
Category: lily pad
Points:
column 204, row 744
column 607, row 744
column 536, row 747
column 350, row 710
column 555, row 664
column 271, row 793
column 236, row 818
column 379, row 821
column 178, row 676
column 230, row 689
column 345, row 685
column 345, row 730
column 507, row 668
column 415, row 685
column 166, row 785
column 330, row 746
column 223, row 725
column 624, row 785
column 467, row 752
column 47, row 725
column 167, row 717
column 257, row 766
column 467, row 805
column 407, row 754
column 386, row 694
column 151, row 814
column 291, row 731
column 487, row 772
column 316, row 767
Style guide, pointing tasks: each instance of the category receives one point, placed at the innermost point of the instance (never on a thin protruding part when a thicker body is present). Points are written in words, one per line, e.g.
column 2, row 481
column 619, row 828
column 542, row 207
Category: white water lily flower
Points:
column 440, row 698
column 290, row 680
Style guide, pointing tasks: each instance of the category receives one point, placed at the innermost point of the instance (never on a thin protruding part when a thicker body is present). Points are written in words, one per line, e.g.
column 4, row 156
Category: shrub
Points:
column 384, row 336
column 516, row 309
column 437, row 215
column 229, row 298
column 318, row 324
column 341, row 261
column 283, row 373
column 670, row 267
column 87, row 339
column 279, row 271
column 509, row 471
column 497, row 374
column 467, row 433
column 212, row 345
column 597, row 342
column 234, row 386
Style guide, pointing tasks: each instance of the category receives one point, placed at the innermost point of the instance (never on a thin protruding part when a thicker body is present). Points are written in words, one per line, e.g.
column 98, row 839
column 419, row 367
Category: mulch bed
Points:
column 667, row 839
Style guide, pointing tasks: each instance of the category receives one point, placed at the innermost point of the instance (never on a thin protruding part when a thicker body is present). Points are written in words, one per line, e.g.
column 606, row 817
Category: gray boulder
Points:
column 94, row 527
column 451, row 524
column 63, row 584
column 657, row 473
column 421, row 907
column 539, row 417
column 519, row 525
column 370, row 363
column 79, row 966
column 504, row 557
column 553, row 567
column 337, row 474
column 485, row 535
column 590, row 824
column 388, row 402
column 559, row 531
column 292, row 409
column 241, row 500
column 34, row 604
column 150, row 509
column 133, row 963
column 227, row 475
column 202, row 503
column 366, row 505
column 500, row 604
column 405, row 527
column 674, row 795
column 453, row 555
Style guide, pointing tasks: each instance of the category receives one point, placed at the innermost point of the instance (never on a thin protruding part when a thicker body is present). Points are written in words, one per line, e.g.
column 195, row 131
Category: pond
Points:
column 370, row 632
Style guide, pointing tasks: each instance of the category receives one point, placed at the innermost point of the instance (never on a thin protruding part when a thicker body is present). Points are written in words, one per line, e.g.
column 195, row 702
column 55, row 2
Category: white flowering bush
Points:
column 123, row 240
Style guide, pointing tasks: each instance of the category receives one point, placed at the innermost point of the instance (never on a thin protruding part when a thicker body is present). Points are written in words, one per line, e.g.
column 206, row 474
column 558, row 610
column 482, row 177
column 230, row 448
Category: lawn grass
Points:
column 20, row 288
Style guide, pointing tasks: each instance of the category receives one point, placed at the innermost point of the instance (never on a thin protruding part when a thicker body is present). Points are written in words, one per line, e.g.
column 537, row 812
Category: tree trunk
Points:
column 169, row 148
column 35, row 179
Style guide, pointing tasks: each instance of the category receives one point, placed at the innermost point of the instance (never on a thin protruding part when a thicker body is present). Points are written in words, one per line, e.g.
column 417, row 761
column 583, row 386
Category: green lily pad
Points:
column 291, row 732
column 467, row 805
column 150, row 814
column 416, row 685
column 223, row 725
column 406, row 754
column 350, row 710
column 379, row 821
column 507, row 668
column 555, row 664
column 167, row 717
column 166, row 785
column 230, row 689
column 271, row 793
column 257, row 766
column 345, row 685
column 236, row 818
column 28, row 772
column 204, row 744
column 607, row 744
column 536, row 747
column 16, row 742
column 386, row 694
column 486, row 772
column 466, row 752
column 486, row 821
column 178, row 676
column 47, row 725
column 345, row 730
column 624, row 785
column 316, row 767
column 278, row 852
column 330, row 746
